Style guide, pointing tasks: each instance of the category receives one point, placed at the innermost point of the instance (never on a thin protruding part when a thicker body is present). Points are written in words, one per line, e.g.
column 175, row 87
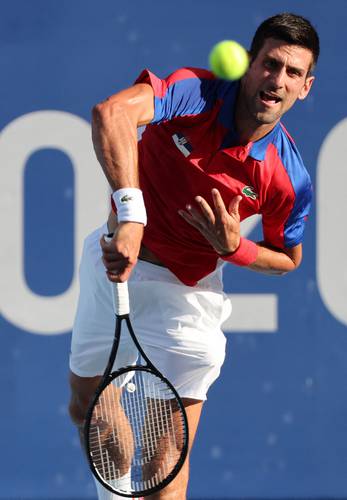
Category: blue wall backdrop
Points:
column 275, row 424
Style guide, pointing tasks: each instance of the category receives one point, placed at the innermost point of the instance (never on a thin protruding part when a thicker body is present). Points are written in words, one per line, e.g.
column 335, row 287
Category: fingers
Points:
column 200, row 219
column 218, row 202
column 188, row 217
column 219, row 226
column 117, row 263
column 109, row 247
column 208, row 215
column 233, row 208
column 110, row 251
column 119, row 276
column 206, row 210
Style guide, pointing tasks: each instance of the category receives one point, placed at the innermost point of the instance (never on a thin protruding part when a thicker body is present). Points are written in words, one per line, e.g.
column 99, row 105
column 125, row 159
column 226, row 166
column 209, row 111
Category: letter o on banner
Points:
column 331, row 222
column 20, row 139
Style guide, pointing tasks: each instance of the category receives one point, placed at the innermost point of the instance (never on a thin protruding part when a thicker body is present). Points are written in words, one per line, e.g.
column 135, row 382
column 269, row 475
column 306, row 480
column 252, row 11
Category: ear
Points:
column 306, row 87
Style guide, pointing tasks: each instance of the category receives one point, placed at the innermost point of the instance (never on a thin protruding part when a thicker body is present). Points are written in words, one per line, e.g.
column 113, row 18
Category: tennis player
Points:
column 212, row 154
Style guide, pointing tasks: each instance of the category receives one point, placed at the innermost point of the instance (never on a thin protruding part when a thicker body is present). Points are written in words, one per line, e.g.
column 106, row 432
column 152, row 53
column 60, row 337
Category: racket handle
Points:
column 120, row 294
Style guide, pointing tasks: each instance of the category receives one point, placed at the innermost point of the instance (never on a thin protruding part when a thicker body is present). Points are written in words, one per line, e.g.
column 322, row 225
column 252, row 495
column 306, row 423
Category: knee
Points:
column 177, row 489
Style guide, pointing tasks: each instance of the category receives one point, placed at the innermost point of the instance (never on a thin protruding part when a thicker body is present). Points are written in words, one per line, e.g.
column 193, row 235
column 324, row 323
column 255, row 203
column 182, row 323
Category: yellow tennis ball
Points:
column 228, row 60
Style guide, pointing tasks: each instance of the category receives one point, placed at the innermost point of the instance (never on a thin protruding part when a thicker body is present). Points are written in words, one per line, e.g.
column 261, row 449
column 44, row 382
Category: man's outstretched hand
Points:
column 219, row 225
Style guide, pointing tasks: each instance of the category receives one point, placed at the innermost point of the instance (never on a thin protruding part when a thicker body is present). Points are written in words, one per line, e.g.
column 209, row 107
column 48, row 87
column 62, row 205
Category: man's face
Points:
column 275, row 80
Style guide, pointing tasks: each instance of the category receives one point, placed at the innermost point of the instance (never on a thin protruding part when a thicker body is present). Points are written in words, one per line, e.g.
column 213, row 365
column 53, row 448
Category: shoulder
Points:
column 189, row 73
column 186, row 78
column 280, row 155
column 289, row 155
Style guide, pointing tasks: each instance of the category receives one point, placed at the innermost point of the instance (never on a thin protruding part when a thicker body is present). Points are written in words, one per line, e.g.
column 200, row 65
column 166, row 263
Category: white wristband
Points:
column 130, row 205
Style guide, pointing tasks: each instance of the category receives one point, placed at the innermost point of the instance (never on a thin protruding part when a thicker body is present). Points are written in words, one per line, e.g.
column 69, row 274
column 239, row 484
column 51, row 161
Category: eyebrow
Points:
column 300, row 71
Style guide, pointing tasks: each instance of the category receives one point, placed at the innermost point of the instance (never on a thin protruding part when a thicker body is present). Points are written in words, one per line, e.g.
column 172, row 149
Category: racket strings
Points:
column 107, row 446
column 137, row 432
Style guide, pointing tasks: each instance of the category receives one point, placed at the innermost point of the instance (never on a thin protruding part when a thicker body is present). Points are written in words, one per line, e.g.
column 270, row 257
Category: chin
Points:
column 267, row 118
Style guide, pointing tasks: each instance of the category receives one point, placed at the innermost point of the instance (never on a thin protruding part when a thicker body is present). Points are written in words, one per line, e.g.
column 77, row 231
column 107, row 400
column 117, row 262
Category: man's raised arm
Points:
column 114, row 132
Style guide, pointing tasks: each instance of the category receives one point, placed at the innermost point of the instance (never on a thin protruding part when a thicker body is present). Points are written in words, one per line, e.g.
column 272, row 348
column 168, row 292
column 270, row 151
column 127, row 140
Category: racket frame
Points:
column 109, row 376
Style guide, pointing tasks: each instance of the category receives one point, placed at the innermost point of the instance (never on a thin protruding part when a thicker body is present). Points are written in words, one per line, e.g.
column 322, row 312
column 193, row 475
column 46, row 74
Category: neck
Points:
column 247, row 127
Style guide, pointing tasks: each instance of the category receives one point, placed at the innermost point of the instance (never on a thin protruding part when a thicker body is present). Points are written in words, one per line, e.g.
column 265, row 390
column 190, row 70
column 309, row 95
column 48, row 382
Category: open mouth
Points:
column 269, row 97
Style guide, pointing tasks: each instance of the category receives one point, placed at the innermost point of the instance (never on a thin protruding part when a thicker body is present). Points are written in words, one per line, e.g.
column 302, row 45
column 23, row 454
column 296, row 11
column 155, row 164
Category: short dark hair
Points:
column 291, row 28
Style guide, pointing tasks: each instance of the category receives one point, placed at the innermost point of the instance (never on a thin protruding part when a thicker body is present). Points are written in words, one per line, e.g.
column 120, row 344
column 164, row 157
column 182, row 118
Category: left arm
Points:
column 276, row 261
column 221, row 228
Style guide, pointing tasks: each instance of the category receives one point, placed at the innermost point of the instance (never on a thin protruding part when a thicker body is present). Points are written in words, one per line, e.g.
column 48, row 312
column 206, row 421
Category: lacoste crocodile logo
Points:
column 126, row 198
column 249, row 192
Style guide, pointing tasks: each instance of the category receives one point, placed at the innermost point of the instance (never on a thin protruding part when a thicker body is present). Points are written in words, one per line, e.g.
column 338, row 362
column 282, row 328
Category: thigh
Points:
column 94, row 325
column 177, row 489
column 179, row 328
column 82, row 391
column 193, row 409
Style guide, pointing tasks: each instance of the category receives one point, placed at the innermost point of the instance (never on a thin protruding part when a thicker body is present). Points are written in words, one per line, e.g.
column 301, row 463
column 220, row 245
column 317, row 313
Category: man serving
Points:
column 213, row 153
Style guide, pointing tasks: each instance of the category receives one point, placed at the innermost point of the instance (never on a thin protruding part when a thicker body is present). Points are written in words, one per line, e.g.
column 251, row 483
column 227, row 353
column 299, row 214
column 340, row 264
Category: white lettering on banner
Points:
column 71, row 134
column 263, row 317
column 21, row 138
column 331, row 225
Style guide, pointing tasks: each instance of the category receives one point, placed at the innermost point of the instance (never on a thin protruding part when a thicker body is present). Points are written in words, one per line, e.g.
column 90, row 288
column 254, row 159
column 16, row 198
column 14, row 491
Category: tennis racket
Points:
column 136, row 429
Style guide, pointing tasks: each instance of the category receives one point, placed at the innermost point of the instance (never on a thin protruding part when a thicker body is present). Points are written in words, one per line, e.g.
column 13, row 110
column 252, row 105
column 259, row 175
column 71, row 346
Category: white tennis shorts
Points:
column 179, row 327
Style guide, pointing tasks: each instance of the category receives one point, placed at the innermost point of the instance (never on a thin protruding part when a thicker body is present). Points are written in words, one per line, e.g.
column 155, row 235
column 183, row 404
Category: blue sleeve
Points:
column 302, row 186
column 295, row 225
column 187, row 91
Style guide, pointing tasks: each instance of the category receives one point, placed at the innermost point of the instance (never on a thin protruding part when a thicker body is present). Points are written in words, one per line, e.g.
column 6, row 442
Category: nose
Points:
column 277, row 77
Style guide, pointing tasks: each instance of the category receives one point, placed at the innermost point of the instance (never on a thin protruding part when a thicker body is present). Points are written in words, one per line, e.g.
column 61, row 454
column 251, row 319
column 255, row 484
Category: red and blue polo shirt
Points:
column 191, row 147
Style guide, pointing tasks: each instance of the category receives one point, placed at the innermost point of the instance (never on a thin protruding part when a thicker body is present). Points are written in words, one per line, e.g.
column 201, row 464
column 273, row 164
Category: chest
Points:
column 189, row 161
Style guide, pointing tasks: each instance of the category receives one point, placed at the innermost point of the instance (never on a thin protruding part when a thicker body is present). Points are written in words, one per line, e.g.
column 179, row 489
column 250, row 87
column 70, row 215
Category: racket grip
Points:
column 120, row 294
